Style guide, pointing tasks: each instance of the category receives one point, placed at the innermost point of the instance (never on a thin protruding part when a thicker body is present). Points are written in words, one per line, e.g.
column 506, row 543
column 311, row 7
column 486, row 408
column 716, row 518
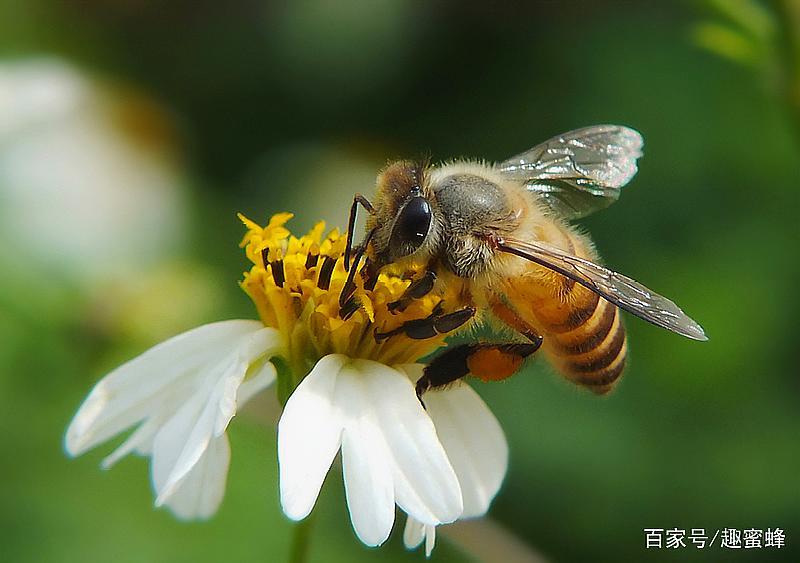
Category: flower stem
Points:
column 301, row 540
column 286, row 381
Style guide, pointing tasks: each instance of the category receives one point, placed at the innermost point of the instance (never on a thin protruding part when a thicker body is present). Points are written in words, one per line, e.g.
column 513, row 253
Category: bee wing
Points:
column 620, row 290
column 579, row 172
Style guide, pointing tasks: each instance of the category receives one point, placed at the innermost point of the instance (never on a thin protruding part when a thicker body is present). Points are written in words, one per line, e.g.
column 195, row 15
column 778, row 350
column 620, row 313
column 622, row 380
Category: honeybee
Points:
column 500, row 235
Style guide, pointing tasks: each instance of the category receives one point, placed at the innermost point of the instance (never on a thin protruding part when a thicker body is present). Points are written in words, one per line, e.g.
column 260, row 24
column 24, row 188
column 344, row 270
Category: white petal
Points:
column 430, row 539
column 190, row 431
column 259, row 381
column 136, row 389
column 207, row 413
column 264, row 342
column 386, row 432
column 426, row 486
column 414, row 533
column 474, row 442
column 200, row 493
column 171, row 443
column 309, row 435
column 140, row 441
column 366, row 460
column 367, row 473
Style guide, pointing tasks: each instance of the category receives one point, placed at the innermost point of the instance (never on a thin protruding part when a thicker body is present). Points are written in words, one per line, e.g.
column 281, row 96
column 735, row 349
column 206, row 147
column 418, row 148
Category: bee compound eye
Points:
column 412, row 225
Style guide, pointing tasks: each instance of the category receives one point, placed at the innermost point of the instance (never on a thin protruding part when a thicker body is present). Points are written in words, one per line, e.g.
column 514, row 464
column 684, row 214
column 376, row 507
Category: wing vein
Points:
column 622, row 291
column 591, row 165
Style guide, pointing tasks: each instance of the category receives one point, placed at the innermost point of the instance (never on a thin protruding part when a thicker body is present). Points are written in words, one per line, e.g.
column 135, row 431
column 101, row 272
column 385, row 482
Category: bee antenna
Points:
column 358, row 199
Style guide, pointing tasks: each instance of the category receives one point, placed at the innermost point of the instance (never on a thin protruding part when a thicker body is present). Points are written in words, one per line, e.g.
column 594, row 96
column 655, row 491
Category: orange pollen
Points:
column 492, row 364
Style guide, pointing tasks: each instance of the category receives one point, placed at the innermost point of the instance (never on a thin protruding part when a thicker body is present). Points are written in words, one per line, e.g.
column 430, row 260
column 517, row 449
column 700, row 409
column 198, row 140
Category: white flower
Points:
column 390, row 451
column 182, row 394
column 475, row 445
column 436, row 465
column 111, row 197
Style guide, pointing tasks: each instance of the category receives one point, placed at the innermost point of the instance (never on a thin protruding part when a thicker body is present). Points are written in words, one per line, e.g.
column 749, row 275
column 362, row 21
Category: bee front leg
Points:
column 358, row 199
column 488, row 362
column 349, row 287
column 417, row 290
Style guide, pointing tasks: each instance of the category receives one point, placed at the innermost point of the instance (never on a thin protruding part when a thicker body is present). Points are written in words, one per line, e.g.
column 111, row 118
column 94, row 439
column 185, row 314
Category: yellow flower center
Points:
column 295, row 284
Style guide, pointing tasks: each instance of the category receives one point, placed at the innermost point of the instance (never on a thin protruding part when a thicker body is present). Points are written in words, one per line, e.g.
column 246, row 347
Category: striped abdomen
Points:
column 586, row 343
column 584, row 337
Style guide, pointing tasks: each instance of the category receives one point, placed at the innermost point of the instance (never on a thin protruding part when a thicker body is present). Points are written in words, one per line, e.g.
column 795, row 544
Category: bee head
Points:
column 404, row 218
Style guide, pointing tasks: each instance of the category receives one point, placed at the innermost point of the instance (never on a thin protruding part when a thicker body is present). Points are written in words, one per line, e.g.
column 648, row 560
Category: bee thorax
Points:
column 471, row 206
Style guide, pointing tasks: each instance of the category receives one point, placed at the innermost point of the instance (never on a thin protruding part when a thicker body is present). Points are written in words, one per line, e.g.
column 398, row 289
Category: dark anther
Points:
column 348, row 289
column 277, row 272
column 311, row 260
column 325, row 273
column 265, row 257
column 369, row 273
column 349, row 308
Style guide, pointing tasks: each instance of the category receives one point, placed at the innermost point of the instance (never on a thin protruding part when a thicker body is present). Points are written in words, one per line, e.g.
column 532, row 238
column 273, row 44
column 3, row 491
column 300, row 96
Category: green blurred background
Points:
column 132, row 131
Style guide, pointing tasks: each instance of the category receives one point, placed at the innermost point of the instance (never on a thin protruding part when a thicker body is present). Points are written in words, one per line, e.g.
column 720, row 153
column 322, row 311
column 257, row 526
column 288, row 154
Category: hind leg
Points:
column 488, row 362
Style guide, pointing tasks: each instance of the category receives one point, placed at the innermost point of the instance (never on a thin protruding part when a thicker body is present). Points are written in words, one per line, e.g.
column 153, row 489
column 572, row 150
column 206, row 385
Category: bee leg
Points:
column 513, row 320
column 417, row 290
column 488, row 362
column 433, row 325
column 445, row 368
column 349, row 287
column 351, row 224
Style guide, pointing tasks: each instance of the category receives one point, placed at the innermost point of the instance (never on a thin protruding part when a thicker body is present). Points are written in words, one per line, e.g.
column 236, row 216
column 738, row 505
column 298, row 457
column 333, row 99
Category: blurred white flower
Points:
column 88, row 180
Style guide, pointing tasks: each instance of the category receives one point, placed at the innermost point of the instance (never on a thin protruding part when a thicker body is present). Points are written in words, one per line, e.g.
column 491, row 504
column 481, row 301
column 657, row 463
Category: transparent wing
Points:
column 620, row 290
column 579, row 172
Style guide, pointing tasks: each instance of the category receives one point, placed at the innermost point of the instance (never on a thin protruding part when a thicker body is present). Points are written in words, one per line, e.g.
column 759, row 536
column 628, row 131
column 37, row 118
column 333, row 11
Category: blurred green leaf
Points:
column 728, row 43
column 751, row 16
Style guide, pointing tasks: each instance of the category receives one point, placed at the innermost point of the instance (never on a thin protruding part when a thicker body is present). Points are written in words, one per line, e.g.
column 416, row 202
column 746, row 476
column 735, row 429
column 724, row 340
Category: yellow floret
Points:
column 295, row 284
